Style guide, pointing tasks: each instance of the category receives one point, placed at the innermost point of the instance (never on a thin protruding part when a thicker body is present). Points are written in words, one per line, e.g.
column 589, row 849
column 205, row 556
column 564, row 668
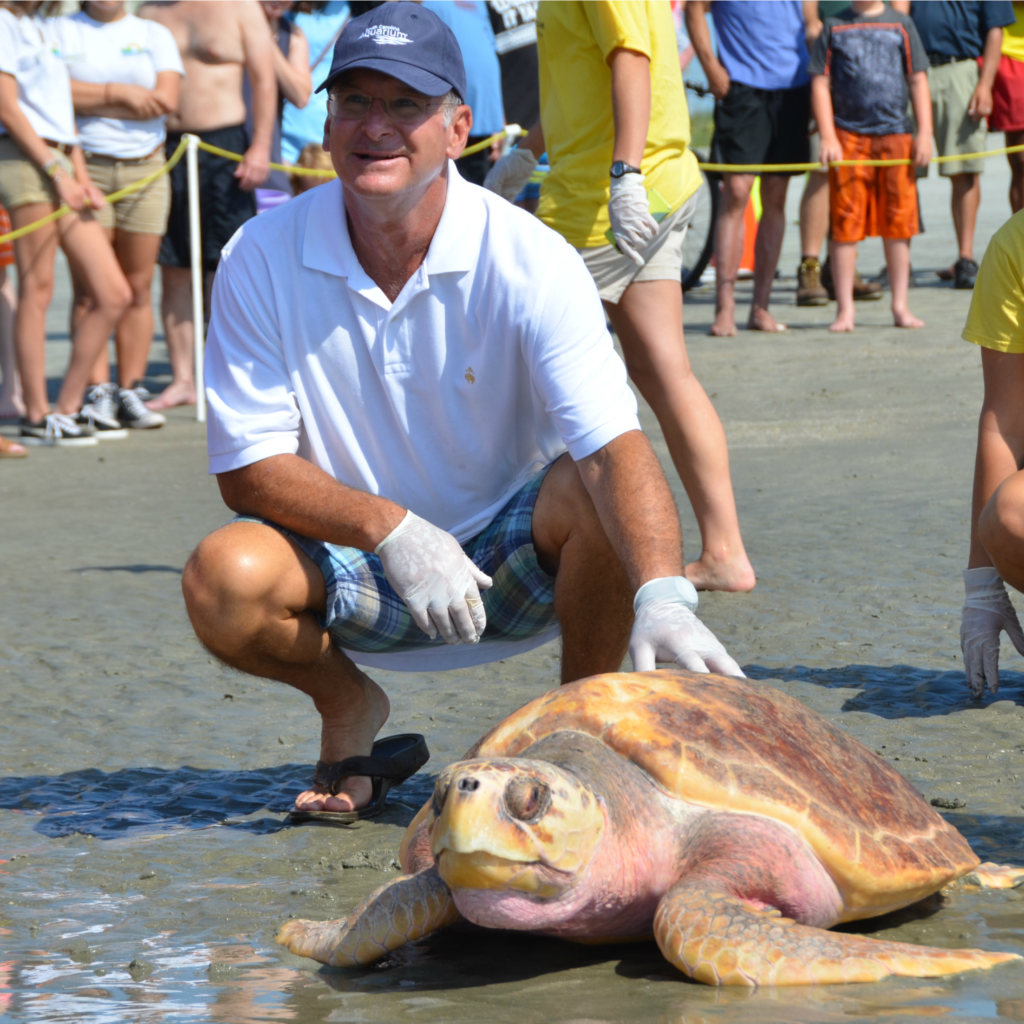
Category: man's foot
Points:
column 734, row 575
column 347, row 729
column 965, row 271
column 181, row 393
column 762, row 320
column 724, row 326
column 946, row 273
column 843, row 324
column 904, row 318
column 809, row 289
column 132, row 412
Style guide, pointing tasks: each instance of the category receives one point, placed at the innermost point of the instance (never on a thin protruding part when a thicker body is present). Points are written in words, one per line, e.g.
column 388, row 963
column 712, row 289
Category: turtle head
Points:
column 517, row 826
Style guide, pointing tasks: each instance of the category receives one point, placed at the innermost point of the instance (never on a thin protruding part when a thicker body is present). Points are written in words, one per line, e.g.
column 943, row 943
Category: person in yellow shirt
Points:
column 1008, row 102
column 996, row 323
column 622, row 189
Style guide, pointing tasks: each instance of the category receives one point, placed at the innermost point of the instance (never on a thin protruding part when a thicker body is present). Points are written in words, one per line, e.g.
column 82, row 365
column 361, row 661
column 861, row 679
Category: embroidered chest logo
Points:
column 470, row 375
column 386, row 35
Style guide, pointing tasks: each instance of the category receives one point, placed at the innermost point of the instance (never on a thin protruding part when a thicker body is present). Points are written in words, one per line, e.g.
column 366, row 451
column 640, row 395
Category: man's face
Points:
column 386, row 138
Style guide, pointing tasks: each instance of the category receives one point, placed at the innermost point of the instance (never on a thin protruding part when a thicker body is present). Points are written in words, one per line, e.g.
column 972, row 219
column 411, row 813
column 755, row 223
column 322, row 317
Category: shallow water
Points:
column 143, row 787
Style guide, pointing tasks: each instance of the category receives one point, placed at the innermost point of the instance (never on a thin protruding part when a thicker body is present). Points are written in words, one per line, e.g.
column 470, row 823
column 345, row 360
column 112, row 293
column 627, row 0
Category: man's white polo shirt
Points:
column 492, row 361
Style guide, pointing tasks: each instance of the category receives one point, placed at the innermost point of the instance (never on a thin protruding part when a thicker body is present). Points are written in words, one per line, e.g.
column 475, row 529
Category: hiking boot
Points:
column 809, row 289
column 100, row 413
column 133, row 413
column 57, row 430
column 964, row 273
column 861, row 289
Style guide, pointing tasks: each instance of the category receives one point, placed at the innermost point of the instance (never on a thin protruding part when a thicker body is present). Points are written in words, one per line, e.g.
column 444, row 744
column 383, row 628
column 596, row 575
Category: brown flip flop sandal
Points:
column 9, row 449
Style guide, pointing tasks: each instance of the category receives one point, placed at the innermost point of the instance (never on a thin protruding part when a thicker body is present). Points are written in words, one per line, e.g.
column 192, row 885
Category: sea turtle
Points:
column 726, row 818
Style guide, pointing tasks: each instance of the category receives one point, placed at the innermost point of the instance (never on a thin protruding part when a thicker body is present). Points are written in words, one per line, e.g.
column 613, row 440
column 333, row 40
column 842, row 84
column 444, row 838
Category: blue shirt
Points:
column 761, row 43
column 957, row 28
column 299, row 127
column 471, row 23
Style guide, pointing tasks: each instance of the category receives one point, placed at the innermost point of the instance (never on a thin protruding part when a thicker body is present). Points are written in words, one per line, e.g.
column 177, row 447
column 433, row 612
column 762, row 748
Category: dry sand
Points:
column 143, row 787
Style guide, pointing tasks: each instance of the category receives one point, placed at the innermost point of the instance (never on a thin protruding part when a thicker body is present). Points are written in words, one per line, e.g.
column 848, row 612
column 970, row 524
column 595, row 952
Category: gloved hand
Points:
column 630, row 214
column 508, row 177
column 986, row 613
column 432, row 575
column 666, row 629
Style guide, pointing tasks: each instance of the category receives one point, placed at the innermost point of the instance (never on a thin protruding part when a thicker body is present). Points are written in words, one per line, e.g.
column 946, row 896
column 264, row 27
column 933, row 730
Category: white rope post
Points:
column 196, row 257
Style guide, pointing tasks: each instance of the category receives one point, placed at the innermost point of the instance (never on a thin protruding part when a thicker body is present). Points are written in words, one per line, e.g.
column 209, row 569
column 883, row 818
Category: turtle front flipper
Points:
column 996, row 876
column 720, row 940
column 401, row 911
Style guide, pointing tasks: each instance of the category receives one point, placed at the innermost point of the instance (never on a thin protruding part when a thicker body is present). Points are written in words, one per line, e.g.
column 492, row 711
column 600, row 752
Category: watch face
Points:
column 620, row 167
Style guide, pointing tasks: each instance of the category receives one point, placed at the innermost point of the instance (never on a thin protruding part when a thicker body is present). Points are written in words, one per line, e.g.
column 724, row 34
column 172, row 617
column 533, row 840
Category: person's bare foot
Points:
column 348, row 727
column 179, row 393
column 843, row 324
column 761, row 320
column 904, row 318
column 946, row 273
column 724, row 325
column 735, row 575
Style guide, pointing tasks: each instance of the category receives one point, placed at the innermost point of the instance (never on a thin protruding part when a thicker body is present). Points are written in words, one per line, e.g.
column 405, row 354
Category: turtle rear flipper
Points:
column 401, row 911
column 720, row 940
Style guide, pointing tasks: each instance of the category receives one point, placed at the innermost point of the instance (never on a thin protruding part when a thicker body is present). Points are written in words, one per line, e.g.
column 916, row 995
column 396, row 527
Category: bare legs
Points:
column 92, row 260
column 136, row 253
column 1016, row 161
column 11, row 404
column 729, row 250
column 814, row 213
column 176, row 310
column 965, row 200
column 648, row 320
column 844, row 264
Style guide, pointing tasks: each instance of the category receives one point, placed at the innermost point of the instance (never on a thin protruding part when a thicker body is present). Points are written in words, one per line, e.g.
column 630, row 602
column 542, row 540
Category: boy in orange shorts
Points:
column 867, row 61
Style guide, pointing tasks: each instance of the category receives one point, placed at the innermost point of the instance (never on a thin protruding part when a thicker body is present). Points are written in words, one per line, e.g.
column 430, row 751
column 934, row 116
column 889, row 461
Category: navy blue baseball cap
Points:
column 403, row 40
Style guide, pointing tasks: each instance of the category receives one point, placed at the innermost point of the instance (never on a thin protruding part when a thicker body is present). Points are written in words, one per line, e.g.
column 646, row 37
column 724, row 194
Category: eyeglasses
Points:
column 354, row 106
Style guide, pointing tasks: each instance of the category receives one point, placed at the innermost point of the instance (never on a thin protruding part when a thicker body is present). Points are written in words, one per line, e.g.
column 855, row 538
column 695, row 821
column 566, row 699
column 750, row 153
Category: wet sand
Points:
column 146, row 861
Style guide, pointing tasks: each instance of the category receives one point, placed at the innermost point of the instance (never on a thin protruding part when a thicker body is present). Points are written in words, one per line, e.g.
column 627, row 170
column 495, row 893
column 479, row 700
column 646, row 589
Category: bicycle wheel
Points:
column 700, row 236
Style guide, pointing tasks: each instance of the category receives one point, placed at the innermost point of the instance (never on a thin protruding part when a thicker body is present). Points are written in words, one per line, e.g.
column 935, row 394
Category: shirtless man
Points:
column 218, row 43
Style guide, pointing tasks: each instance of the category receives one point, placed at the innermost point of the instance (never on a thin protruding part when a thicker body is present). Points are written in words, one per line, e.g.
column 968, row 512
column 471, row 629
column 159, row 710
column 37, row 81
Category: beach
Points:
column 146, row 859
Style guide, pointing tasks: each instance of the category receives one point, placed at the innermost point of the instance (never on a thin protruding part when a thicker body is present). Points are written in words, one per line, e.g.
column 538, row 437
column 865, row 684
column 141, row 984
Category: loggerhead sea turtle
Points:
column 726, row 818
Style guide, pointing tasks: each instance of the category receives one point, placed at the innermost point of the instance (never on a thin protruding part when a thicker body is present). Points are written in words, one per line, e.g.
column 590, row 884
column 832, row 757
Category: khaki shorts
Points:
column 21, row 182
column 952, row 86
column 613, row 272
column 144, row 212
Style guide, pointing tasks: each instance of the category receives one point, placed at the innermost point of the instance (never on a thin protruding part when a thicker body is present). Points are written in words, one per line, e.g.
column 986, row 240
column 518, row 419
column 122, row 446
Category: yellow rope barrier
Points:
column 114, row 197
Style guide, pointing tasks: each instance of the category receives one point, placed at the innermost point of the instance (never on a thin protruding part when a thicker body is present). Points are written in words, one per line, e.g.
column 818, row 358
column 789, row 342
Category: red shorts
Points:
column 1008, row 97
column 869, row 201
column 6, row 248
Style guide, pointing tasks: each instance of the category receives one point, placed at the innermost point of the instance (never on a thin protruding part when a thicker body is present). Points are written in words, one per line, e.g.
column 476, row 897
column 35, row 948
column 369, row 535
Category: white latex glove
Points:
column 666, row 629
column 508, row 177
column 630, row 214
column 433, row 576
column 986, row 613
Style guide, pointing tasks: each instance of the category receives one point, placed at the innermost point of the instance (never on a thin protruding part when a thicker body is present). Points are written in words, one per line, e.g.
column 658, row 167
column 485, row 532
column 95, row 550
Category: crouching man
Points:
column 418, row 415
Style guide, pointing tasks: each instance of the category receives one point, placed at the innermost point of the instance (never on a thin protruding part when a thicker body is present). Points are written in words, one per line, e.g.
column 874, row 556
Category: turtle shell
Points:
column 731, row 745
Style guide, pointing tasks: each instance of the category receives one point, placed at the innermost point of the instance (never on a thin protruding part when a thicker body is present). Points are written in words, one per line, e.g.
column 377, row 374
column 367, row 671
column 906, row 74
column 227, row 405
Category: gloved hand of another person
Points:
column 630, row 214
column 986, row 613
column 432, row 575
column 508, row 177
column 666, row 629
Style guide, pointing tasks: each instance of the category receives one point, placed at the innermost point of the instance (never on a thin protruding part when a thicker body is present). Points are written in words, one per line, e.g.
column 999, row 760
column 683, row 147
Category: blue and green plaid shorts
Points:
column 364, row 613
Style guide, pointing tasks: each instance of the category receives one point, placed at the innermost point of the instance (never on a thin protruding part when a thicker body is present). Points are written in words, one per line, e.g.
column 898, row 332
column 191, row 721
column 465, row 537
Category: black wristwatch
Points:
column 620, row 167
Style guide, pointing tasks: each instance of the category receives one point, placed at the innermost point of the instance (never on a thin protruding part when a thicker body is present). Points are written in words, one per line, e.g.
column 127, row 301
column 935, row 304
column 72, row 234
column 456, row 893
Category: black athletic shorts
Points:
column 762, row 126
column 223, row 206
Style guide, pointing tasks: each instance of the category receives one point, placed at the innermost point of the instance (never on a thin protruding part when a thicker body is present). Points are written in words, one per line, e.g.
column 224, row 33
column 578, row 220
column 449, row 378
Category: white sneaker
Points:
column 100, row 413
column 133, row 413
column 58, row 431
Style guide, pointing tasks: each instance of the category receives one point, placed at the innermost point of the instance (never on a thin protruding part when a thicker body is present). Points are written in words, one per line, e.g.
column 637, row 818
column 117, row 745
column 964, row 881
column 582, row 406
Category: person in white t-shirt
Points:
column 41, row 167
column 125, row 79
column 418, row 413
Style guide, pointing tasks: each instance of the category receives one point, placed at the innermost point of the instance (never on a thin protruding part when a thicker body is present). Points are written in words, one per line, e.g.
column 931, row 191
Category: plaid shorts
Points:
column 364, row 613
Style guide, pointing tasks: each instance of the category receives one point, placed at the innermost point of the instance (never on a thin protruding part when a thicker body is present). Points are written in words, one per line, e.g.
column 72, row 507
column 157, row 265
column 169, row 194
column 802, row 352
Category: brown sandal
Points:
column 11, row 449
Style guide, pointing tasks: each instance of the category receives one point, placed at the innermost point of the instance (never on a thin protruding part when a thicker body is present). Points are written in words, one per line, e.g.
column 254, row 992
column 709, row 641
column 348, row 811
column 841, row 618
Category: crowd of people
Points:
column 415, row 407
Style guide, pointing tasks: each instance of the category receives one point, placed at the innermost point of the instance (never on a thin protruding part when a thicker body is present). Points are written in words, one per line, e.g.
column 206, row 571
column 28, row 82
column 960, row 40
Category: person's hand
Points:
column 630, row 214
column 432, row 575
column 142, row 102
column 254, row 169
column 987, row 612
column 97, row 200
column 718, row 81
column 666, row 629
column 830, row 150
column 69, row 191
column 508, row 177
column 981, row 102
column 922, row 150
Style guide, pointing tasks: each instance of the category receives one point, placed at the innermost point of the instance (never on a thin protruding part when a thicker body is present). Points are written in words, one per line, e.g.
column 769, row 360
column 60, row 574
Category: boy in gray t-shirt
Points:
column 867, row 63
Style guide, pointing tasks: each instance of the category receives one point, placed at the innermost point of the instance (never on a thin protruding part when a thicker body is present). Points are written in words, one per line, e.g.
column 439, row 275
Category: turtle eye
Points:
column 527, row 799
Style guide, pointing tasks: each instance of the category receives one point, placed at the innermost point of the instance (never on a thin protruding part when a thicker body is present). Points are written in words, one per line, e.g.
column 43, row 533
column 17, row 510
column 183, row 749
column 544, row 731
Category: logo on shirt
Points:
column 133, row 50
column 470, row 375
column 386, row 35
